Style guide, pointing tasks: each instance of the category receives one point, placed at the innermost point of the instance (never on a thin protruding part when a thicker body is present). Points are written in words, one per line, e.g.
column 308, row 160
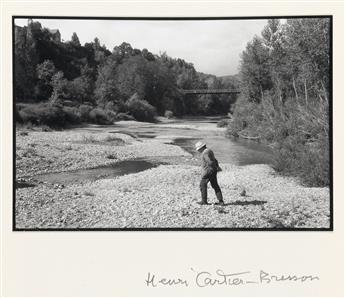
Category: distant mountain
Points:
column 230, row 79
column 208, row 78
column 227, row 80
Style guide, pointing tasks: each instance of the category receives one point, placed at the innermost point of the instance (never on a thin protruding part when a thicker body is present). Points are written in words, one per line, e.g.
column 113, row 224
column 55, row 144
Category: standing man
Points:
column 210, row 167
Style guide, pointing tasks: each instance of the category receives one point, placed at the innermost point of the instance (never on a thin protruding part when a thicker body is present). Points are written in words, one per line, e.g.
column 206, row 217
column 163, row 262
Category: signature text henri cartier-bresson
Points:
column 220, row 278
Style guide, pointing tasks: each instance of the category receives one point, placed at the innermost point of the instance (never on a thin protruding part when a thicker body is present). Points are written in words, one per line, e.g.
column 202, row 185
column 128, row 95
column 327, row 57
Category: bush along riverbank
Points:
column 285, row 94
column 300, row 141
column 59, row 115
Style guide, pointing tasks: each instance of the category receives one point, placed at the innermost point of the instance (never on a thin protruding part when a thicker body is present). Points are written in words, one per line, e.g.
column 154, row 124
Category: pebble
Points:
column 164, row 196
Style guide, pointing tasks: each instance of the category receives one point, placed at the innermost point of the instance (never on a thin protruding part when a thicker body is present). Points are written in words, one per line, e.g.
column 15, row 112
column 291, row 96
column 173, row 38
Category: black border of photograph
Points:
column 14, row 228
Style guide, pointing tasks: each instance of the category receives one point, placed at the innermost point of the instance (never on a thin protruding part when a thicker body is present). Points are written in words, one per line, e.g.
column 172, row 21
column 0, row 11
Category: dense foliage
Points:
column 285, row 87
column 50, row 70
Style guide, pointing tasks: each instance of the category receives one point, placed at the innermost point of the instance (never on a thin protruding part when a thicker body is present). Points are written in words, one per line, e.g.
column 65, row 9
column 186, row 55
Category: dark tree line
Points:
column 50, row 70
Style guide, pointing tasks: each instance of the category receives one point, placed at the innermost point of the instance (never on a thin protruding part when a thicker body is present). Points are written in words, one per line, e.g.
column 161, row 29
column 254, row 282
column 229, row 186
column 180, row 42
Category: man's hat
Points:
column 199, row 145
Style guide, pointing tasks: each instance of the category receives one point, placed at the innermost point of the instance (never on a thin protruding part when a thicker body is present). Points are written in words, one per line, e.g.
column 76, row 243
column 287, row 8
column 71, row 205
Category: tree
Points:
column 60, row 88
column 45, row 72
column 122, row 51
column 285, row 79
column 140, row 109
column 100, row 52
column 105, row 88
column 148, row 55
column 26, row 59
column 307, row 43
column 273, row 39
column 75, row 40
column 23, row 80
column 131, row 77
column 255, row 70
column 82, row 87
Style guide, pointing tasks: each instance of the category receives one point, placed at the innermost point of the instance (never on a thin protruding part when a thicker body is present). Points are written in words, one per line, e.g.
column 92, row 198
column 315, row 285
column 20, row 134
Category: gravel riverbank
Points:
column 57, row 151
column 164, row 196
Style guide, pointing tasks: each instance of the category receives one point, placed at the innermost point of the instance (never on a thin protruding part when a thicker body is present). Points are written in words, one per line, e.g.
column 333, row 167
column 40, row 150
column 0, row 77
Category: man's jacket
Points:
column 209, row 163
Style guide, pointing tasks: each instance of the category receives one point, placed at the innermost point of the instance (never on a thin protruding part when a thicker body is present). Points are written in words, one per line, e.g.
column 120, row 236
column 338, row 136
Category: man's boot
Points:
column 219, row 196
column 202, row 203
column 203, row 200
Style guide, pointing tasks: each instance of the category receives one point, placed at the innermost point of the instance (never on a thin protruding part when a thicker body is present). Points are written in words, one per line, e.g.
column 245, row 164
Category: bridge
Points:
column 211, row 91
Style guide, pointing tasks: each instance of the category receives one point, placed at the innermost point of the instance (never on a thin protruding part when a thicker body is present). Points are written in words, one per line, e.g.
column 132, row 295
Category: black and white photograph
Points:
column 196, row 124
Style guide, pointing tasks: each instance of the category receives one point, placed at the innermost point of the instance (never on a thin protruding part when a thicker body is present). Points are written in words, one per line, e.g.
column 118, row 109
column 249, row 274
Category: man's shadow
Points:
column 246, row 203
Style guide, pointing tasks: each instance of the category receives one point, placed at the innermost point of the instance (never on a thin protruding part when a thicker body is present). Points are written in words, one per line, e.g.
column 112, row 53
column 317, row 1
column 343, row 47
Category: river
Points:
column 179, row 132
column 186, row 132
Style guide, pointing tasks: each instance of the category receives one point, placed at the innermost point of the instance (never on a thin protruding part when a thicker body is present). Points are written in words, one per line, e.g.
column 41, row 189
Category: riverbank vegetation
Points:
column 66, row 82
column 285, row 93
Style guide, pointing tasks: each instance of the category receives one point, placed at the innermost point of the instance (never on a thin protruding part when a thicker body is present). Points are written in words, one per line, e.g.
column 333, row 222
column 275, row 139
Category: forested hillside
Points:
column 100, row 85
column 285, row 94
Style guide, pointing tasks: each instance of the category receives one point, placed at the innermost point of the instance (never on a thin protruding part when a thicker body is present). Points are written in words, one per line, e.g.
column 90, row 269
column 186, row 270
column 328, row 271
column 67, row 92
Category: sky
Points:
column 213, row 46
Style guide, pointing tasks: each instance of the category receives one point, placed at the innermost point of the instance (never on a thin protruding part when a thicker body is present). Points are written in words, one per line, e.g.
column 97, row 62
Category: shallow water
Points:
column 104, row 172
column 186, row 132
column 239, row 152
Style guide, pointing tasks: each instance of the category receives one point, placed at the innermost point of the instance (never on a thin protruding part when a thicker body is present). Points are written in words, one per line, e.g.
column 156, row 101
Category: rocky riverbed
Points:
column 163, row 195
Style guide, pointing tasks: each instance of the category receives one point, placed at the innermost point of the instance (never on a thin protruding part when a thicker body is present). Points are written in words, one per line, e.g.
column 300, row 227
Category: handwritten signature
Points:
column 203, row 279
